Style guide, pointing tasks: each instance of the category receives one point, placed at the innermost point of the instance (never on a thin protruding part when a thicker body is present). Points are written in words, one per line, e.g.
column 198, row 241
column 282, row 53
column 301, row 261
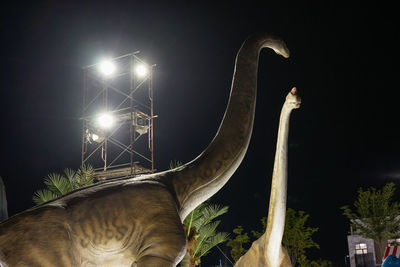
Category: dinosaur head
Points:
column 279, row 47
column 293, row 100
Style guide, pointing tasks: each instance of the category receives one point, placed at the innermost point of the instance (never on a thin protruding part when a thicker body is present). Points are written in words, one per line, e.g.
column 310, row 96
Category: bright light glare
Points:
column 141, row 70
column 107, row 67
column 105, row 121
column 95, row 137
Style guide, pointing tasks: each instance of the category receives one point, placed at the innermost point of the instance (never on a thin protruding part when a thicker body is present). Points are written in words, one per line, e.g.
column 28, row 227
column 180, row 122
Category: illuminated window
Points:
column 361, row 249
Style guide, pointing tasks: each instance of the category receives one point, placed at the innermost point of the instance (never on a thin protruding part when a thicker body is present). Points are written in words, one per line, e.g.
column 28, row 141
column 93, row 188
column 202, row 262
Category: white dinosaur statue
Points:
column 267, row 251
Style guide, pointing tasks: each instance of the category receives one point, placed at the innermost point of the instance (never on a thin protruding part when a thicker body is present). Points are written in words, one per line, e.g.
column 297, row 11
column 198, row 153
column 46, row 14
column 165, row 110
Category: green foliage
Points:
column 175, row 164
column 43, row 195
column 236, row 244
column 204, row 214
column 257, row 234
column 61, row 184
column 304, row 262
column 375, row 215
column 58, row 184
column 207, row 236
column 84, row 176
column 321, row 263
column 297, row 236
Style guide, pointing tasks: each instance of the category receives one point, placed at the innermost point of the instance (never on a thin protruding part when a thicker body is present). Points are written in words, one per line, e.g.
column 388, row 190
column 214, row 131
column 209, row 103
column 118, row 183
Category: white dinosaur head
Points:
column 293, row 100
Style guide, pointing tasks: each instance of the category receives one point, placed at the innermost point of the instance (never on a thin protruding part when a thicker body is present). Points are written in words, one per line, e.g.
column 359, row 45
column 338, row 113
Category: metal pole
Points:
column 131, row 125
column 105, row 103
column 84, row 127
column 152, row 120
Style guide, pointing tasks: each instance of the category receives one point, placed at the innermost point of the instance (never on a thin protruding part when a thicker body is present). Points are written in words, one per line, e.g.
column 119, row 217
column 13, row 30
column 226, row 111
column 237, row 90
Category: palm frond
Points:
column 194, row 215
column 175, row 164
column 208, row 229
column 58, row 184
column 201, row 218
column 211, row 242
column 204, row 233
column 213, row 211
column 208, row 213
column 43, row 195
column 71, row 175
column 85, row 175
column 88, row 169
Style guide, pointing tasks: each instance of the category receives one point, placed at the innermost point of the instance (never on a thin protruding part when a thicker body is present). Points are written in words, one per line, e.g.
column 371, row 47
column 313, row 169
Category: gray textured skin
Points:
column 138, row 221
column 267, row 251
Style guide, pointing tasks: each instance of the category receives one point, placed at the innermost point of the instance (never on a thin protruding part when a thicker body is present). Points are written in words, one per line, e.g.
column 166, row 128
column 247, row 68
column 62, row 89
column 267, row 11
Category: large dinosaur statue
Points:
column 138, row 221
column 267, row 251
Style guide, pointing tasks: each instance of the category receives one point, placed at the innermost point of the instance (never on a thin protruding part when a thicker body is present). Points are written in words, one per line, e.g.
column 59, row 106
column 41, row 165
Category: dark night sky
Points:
column 342, row 61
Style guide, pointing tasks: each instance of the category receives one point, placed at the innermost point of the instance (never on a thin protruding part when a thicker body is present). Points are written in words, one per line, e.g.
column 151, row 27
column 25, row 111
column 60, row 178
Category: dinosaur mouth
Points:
column 295, row 104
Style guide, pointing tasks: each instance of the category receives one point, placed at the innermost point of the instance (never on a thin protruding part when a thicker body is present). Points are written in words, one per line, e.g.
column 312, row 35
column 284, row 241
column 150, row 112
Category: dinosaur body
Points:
column 118, row 224
column 138, row 221
column 268, row 250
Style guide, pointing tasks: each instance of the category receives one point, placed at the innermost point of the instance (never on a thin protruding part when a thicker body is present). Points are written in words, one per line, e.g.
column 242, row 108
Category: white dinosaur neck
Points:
column 277, row 203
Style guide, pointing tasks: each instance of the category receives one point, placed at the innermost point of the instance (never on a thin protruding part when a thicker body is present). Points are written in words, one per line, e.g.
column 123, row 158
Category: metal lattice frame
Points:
column 122, row 150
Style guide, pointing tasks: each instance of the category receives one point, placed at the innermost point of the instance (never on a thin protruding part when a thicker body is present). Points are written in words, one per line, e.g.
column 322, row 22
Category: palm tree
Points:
column 202, row 232
column 60, row 184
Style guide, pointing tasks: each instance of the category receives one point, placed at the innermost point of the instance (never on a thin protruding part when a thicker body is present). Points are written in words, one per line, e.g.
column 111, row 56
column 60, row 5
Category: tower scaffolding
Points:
column 118, row 117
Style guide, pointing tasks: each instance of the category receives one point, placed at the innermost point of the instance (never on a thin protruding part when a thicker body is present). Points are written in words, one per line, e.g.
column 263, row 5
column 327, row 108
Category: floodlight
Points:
column 141, row 70
column 92, row 137
column 105, row 120
column 95, row 137
column 107, row 67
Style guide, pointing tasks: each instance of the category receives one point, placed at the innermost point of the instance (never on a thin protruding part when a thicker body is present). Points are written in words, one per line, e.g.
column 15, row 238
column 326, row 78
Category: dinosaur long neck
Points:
column 201, row 178
column 277, row 203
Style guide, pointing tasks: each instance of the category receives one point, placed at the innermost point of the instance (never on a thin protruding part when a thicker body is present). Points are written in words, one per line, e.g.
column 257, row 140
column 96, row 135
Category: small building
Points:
column 362, row 250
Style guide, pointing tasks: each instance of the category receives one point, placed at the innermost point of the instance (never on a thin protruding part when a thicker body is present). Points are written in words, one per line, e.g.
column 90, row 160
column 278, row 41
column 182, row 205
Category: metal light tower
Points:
column 118, row 115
